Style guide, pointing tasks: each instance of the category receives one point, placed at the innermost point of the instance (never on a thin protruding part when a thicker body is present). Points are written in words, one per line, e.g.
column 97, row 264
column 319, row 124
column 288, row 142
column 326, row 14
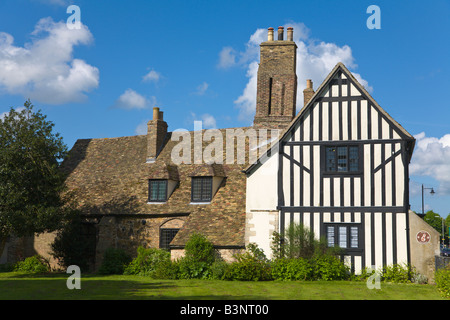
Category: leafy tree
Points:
column 30, row 179
column 434, row 220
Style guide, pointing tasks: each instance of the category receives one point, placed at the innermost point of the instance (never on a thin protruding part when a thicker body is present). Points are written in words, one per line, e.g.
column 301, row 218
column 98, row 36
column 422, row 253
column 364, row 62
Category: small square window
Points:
column 342, row 159
column 166, row 236
column 345, row 236
column 201, row 189
column 157, row 190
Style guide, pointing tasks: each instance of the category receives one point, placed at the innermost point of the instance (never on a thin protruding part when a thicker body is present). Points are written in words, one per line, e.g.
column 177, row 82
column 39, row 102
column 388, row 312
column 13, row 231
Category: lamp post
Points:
column 431, row 192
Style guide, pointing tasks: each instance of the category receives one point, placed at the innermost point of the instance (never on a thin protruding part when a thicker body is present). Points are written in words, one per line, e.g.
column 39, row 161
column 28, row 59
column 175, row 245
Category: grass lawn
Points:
column 53, row 286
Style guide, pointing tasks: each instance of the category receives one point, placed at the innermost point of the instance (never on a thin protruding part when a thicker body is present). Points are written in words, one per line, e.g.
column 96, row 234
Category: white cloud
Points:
column 431, row 157
column 315, row 60
column 44, row 69
column 130, row 99
column 142, row 127
column 201, row 89
column 227, row 58
column 208, row 121
column 247, row 100
column 152, row 76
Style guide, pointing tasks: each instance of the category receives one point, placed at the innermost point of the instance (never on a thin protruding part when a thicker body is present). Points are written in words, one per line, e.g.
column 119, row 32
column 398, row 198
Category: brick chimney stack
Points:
column 277, row 81
column 156, row 135
column 308, row 92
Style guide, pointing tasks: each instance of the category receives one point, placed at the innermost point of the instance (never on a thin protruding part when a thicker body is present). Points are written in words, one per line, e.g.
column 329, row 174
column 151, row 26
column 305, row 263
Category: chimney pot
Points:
column 155, row 113
column 280, row 33
column 270, row 34
column 308, row 92
column 290, row 34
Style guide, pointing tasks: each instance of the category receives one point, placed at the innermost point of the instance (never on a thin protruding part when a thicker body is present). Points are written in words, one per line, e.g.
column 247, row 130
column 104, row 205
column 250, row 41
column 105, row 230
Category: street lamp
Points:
column 431, row 192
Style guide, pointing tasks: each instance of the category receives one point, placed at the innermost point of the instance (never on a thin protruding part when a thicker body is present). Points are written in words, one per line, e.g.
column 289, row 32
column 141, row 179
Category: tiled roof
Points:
column 110, row 176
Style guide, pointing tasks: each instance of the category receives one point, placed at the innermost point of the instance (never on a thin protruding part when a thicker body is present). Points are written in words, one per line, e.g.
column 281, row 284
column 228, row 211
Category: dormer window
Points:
column 201, row 189
column 157, row 190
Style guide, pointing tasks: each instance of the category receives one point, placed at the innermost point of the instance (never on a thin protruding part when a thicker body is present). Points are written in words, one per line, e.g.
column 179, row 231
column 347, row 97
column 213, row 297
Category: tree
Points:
column 435, row 220
column 31, row 182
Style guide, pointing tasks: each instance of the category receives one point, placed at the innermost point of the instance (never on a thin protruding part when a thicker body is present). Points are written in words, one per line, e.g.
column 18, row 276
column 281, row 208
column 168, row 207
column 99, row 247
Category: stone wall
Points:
column 423, row 252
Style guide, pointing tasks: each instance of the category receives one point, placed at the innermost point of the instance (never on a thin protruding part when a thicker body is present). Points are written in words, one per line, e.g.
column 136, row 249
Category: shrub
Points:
column 442, row 278
column 299, row 242
column 292, row 269
column 114, row 261
column 167, row 269
column 34, row 264
column 147, row 261
column 199, row 249
column 198, row 258
column 190, row 269
column 7, row 267
column 328, row 267
column 397, row 273
column 218, row 270
column 252, row 265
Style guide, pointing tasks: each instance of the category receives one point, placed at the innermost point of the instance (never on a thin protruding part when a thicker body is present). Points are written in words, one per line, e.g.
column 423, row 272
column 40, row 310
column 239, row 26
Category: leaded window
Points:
column 166, row 236
column 157, row 190
column 201, row 189
column 342, row 159
column 343, row 235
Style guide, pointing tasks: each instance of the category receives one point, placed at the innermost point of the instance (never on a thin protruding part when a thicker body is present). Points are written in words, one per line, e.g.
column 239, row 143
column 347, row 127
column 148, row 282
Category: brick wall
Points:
column 277, row 85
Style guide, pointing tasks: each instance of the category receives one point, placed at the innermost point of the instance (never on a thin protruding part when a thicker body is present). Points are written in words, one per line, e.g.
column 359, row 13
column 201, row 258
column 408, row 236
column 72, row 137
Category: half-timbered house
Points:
column 341, row 169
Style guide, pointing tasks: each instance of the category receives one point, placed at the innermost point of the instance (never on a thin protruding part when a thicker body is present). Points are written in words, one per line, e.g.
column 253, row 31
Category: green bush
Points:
column 292, row 269
column 328, row 267
column 114, row 261
column 191, row 269
column 218, row 270
column 397, row 273
column 251, row 265
column 7, row 267
column 300, row 242
column 442, row 278
column 167, row 269
column 147, row 261
column 199, row 249
column 34, row 264
column 198, row 258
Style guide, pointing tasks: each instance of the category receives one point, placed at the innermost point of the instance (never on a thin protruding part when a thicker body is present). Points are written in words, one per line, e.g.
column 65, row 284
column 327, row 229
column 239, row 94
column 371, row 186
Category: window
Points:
column 166, row 236
column 157, row 190
column 343, row 235
column 342, row 159
column 201, row 189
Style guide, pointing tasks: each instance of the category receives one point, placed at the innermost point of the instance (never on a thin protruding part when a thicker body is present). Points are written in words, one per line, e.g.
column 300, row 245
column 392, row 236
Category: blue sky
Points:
column 196, row 61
